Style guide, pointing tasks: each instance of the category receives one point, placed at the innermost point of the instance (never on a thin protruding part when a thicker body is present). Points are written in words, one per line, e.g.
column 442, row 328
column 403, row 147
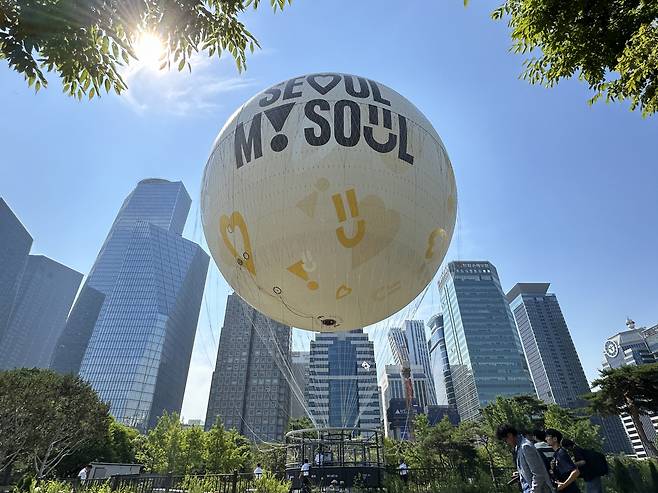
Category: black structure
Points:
column 351, row 456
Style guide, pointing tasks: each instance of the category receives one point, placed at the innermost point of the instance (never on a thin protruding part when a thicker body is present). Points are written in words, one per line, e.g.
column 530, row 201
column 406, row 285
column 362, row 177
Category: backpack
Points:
column 596, row 463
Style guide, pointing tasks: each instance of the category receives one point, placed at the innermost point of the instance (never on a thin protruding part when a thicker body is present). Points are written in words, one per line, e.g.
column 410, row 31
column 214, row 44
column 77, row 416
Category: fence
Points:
column 418, row 481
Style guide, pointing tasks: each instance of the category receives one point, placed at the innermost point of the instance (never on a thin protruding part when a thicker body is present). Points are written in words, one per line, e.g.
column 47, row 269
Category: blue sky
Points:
column 550, row 189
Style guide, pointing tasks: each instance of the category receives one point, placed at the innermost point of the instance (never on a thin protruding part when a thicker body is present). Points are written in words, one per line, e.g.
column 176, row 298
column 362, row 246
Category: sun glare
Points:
column 149, row 50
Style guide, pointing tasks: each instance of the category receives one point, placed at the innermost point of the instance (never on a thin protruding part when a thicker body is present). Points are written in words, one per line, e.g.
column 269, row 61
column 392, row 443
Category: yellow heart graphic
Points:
column 228, row 225
column 343, row 291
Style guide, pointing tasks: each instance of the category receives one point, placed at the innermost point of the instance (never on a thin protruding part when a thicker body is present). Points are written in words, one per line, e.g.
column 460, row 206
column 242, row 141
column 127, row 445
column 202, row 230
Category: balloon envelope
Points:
column 328, row 202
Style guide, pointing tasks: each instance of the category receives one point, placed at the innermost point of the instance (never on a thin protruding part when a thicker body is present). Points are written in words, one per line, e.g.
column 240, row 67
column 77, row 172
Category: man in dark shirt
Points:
column 563, row 469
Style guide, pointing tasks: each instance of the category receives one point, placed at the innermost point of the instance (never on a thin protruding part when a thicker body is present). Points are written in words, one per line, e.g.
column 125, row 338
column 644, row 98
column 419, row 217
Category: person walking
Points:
column 85, row 474
column 403, row 470
column 591, row 464
column 258, row 472
column 305, row 473
column 530, row 466
column 563, row 469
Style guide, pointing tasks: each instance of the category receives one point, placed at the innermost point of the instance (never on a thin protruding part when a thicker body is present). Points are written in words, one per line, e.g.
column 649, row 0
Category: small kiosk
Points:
column 351, row 456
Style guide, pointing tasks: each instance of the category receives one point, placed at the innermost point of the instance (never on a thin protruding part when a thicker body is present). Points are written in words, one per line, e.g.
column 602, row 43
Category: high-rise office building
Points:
column 43, row 301
column 554, row 364
column 635, row 346
column 249, row 389
column 484, row 350
column 409, row 347
column 131, row 330
column 299, row 362
column 342, row 388
column 15, row 244
column 440, row 365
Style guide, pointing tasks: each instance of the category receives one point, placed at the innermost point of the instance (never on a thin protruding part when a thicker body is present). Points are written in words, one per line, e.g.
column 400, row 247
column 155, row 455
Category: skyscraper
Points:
column 395, row 412
column 635, row 346
column 554, row 364
column 250, row 390
column 15, row 243
column 300, row 367
column 440, row 365
column 131, row 330
column 484, row 350
column 342, row 387
column 43, row 301
column 409, row 347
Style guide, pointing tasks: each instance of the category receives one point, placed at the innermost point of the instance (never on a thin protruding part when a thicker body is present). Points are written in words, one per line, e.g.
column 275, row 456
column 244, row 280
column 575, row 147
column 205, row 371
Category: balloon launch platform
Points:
column 350, row 456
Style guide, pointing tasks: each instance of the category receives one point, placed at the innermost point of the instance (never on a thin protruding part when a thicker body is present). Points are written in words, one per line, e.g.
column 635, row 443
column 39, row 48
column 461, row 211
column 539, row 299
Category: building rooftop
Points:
column 527, row 288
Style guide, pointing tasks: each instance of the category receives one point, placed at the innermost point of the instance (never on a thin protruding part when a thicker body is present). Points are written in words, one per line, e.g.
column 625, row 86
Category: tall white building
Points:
column 409, row 347
column 634, row 347
column 342, row 387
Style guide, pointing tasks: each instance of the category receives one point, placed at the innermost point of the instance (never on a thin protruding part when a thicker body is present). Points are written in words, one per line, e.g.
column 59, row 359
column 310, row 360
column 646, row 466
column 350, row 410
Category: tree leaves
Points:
column 612, row 46
column 85, row 44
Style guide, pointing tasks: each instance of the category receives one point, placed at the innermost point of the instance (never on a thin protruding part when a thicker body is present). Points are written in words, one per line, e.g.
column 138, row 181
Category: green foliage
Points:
column 268, row 483
column 227, row 451
column 628, row 389
column 162, row 450
column 525, row 413
column 629, row 475
column 118, row 445
column 40, row 432
column 577, row 428
column 87, row 43
column 299, row 424
column 611, row 45
column 194, row 450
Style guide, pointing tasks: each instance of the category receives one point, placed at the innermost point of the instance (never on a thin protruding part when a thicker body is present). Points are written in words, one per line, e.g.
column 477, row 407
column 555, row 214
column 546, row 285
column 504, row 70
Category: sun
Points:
column 149, row 50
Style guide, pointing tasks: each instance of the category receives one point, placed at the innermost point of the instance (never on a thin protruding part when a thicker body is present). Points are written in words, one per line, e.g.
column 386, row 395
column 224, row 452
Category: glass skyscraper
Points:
column 249, row 389
column 300, row 367
column 554, row 364
column 131, row 330
column 45, row 295
column 409, row 347
column 440, row 365
column 15, row 243
column 484, row 350
column 342, row 388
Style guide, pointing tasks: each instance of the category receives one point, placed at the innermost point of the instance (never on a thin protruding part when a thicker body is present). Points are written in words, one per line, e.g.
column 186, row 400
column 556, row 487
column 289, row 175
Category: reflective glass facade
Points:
column 132, row 328
column 440, row 365
column 554, row 364
column 15, row 243
column 342, row 389
column 43, row 301
column 249, row 389
column 484, row 350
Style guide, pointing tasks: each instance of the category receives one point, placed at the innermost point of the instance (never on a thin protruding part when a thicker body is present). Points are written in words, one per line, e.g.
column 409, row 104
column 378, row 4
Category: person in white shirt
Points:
column 319, row 459
column 404, row 471
column 305, row 475
column 84, row 473
column 258, row 472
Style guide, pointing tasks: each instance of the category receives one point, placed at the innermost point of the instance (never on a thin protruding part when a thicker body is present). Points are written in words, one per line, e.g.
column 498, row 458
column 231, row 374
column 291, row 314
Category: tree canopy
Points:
column 611, row 45
column 87, row 43
column 45, row 417
column 628, row 389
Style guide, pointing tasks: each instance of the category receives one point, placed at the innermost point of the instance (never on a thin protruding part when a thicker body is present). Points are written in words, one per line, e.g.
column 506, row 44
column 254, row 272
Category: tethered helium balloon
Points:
column 328, row 202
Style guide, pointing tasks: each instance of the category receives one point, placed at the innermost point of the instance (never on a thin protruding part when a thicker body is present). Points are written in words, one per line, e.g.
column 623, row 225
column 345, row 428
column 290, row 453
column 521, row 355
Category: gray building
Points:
column 131, row 330
column 484, row 351
column 409, row 347
column 635, row 346
column 43, row 301
column 342, row 388
column 249, row 389
column 554, row 364
column 439, row 363
column 15, row 244
column 299, row 362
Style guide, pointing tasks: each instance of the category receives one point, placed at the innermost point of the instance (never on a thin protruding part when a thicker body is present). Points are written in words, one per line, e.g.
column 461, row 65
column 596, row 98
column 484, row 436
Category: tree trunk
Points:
column 649, row 447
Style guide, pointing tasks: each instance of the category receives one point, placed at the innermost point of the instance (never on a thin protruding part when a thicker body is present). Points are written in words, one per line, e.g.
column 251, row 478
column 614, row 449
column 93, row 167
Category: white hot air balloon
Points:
column 328, row 202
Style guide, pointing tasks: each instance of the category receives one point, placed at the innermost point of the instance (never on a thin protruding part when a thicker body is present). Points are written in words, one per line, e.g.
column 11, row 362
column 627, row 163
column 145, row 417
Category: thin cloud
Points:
column 182, row 93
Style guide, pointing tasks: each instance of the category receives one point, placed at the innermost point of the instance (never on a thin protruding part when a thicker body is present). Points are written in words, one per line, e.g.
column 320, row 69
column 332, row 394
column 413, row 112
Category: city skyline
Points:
column 197, row 403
